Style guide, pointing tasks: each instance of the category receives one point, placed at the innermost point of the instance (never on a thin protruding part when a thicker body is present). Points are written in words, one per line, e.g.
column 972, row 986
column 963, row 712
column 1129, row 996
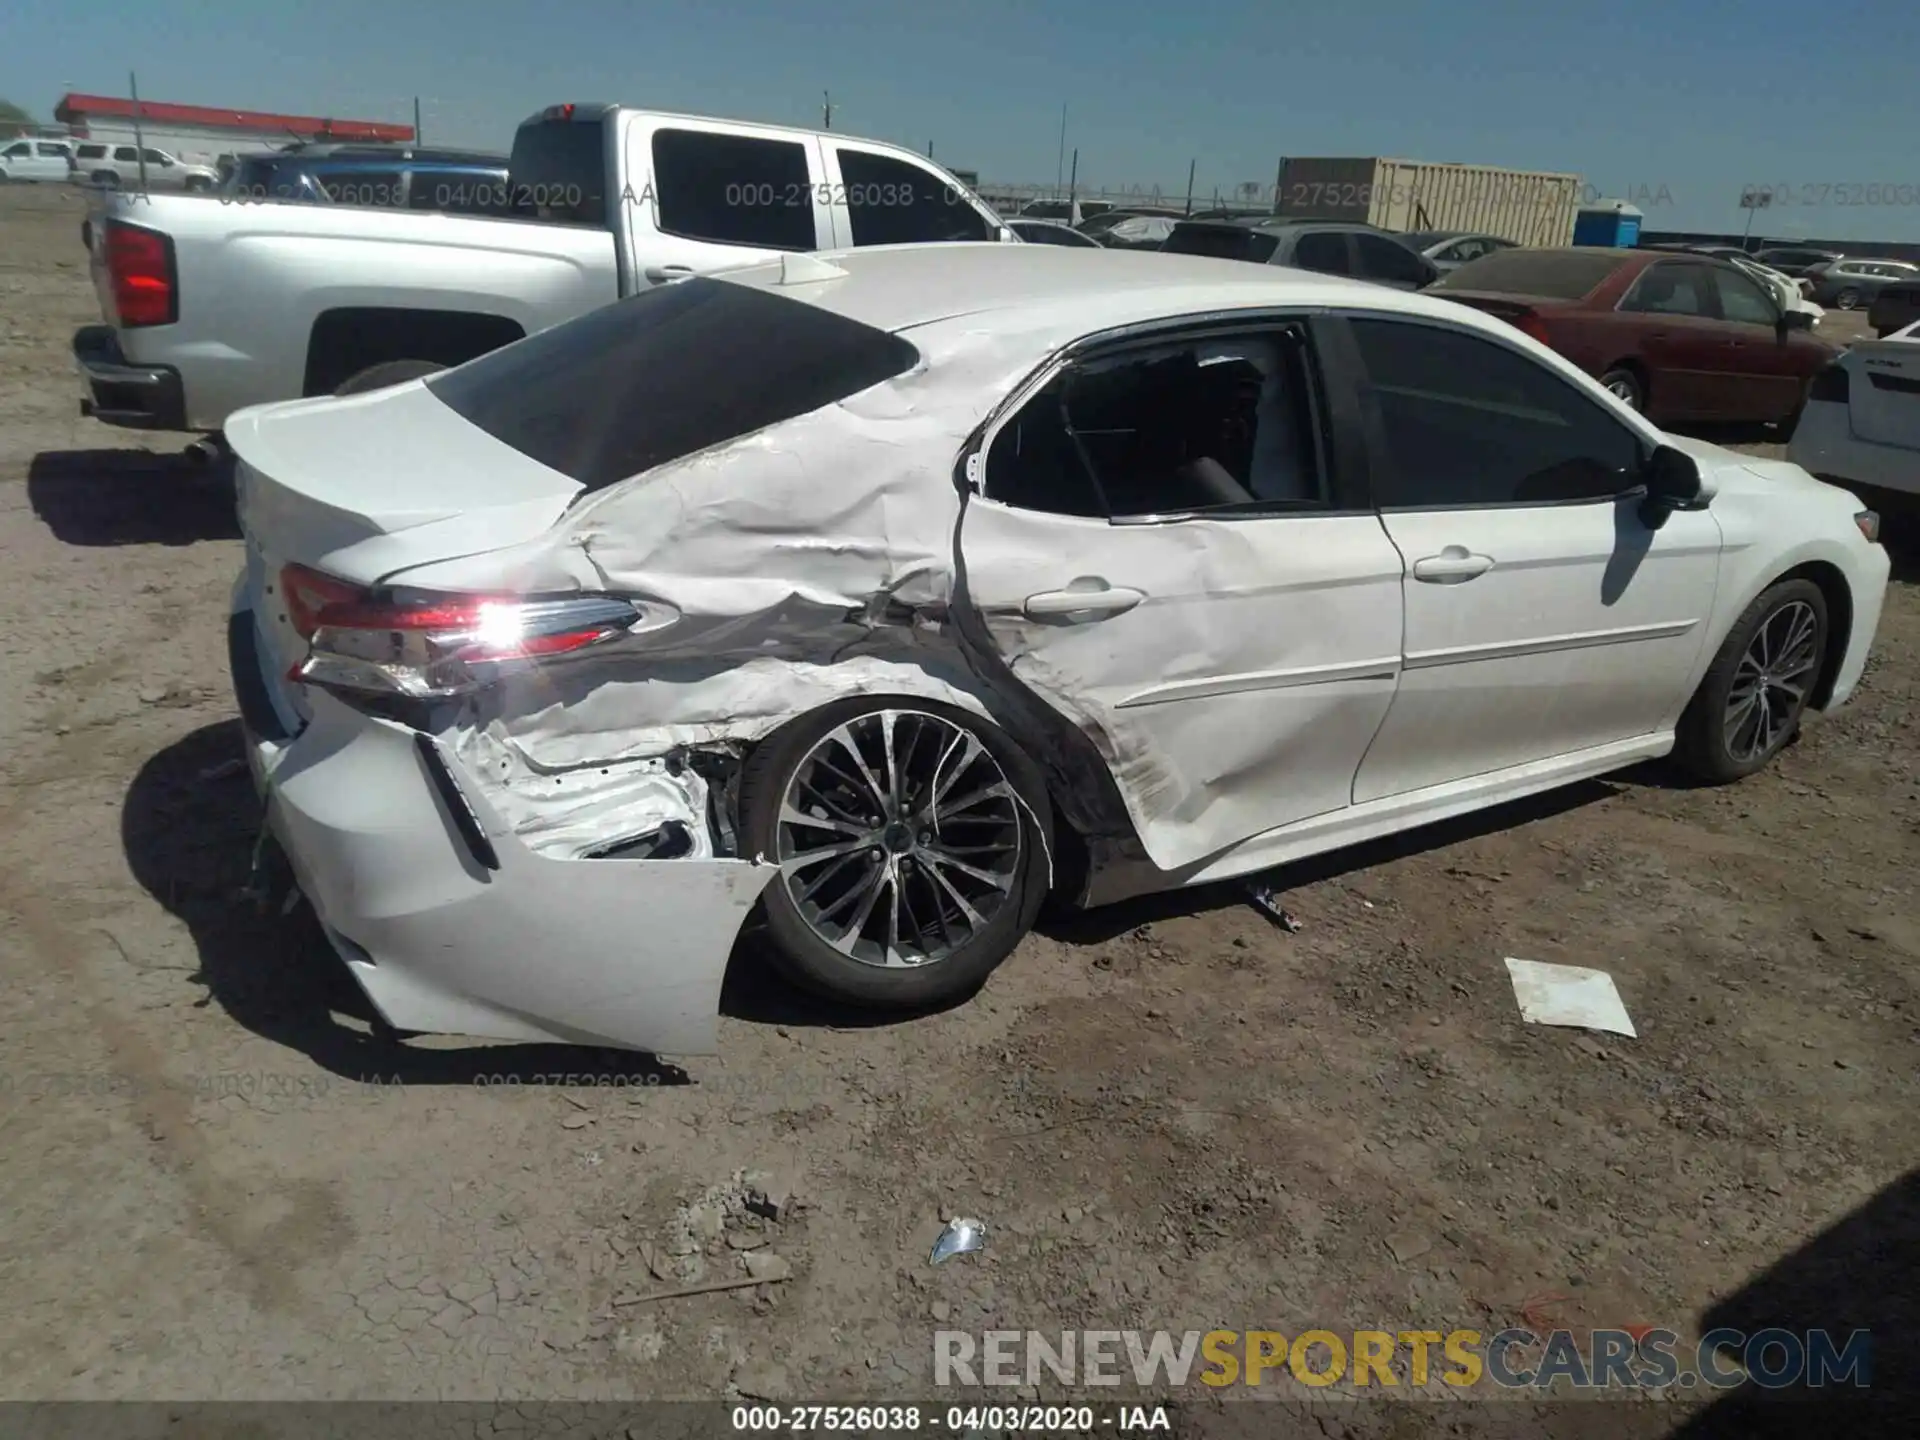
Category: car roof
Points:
column 1052, row 294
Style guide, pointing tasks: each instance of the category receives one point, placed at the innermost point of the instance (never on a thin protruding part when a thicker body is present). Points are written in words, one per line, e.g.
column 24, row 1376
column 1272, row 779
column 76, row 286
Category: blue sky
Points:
column 1675, row 105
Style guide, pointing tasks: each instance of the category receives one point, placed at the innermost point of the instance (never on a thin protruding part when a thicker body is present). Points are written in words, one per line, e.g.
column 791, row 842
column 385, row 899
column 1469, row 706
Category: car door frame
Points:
column 840, row 215
column 1767, row 366
column 1695, row 390
column 1691, row 534
column 1344, row 460
column 662, row 255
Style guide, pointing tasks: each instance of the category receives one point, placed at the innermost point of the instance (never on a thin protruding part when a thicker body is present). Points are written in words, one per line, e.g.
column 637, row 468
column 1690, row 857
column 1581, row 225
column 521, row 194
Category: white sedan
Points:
column 1861, row 423
column 883, row 592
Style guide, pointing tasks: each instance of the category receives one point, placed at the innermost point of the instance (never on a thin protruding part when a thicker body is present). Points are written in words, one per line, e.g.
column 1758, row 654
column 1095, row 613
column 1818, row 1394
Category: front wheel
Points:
column 1847, row 299
column 1752, row 698
column 911, row 843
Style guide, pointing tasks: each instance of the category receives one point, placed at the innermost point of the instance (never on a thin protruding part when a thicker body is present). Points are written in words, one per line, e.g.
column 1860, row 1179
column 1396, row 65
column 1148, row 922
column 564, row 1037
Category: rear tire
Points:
column 1626, row 385
column 388, row 372
column 1847, row 299
column 1755, row 693
column 971, row 825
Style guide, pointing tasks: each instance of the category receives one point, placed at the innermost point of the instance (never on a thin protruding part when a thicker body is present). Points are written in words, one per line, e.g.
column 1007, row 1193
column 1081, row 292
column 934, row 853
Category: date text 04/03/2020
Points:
column 951, row 1419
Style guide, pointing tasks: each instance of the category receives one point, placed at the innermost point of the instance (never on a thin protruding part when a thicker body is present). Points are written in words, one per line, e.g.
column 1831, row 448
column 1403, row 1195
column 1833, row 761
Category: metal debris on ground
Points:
column 1267, row 900
column 1569, row 995
column 961, row 1237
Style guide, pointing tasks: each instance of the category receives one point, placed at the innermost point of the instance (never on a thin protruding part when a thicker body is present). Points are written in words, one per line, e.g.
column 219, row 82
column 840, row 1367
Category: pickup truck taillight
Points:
column 426, row 645
column 141, row 270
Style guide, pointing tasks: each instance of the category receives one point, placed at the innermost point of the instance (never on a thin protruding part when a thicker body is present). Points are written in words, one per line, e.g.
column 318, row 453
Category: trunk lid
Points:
column 361, row 487
column 1883, row 398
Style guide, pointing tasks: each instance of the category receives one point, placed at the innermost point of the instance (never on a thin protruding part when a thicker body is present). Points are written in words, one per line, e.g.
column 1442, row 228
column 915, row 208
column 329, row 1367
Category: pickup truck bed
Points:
column 284, row 300
column 214, row 304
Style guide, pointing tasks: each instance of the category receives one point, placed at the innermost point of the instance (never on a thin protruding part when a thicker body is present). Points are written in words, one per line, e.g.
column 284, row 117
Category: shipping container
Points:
column 1525, row 206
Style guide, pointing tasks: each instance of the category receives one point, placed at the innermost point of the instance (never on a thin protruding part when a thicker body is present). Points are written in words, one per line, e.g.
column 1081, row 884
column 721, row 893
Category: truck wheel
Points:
column 911, row 843
column 388, row 372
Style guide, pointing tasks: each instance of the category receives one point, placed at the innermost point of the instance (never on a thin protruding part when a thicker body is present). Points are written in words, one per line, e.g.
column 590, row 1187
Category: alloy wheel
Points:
column 899, row 838
column 1772, row 681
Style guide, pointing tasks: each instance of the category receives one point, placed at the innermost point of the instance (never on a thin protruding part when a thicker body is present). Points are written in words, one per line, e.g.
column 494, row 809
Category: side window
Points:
column 1469, row 422
column 15, row 151
column 1323, row 250
column 154, row 157
column 1384, row 259
column 1224, row 423
column 1742, row 300
column 125, row 152
column 92, row 152
column 51, row 151
column 733, row 189
column 891, row 202
column 1671, row 290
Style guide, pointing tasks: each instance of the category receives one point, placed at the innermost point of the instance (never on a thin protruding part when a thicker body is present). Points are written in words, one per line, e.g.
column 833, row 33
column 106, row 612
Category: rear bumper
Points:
column 119, row 392
column 450, row 924
column 1825, row 446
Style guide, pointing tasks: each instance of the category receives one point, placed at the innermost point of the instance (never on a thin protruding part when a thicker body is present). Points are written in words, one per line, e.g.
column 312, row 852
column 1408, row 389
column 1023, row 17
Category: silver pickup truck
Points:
column 217, row 303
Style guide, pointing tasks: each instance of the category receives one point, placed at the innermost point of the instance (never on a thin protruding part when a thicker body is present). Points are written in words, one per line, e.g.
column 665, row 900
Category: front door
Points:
column 707, row 195
column 1768, row 371
column 1166, row 553
column 1543, row 617
column 1682, row 341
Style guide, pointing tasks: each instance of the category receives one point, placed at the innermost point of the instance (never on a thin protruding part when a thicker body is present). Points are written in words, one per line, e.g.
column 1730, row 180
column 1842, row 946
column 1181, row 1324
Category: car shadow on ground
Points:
column 1860, row 1273
column 1087, row 927
column 131, row 497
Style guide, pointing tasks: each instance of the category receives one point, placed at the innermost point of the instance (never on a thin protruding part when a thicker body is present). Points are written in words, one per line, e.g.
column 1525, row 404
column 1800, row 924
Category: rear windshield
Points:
column 1549, row 274
column 670, row 371
column 1222, row 242
column 558, row 172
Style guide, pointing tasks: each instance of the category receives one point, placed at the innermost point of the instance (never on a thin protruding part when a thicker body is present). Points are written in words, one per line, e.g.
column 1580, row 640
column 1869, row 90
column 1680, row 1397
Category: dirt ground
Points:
column 217, row 1181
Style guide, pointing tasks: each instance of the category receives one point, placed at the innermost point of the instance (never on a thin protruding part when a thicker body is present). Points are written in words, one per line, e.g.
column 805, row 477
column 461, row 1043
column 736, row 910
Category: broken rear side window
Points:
column 670, row 371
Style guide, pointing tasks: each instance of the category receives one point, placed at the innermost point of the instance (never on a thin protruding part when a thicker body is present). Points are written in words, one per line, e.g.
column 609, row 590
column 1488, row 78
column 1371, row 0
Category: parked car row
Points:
column 99, row 163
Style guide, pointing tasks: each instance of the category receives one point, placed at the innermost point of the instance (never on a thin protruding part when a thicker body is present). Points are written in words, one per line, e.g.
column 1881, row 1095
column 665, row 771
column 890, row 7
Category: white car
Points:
column 1861, row 424
column 1787, row 292
column 36, row 159
column 889, row 589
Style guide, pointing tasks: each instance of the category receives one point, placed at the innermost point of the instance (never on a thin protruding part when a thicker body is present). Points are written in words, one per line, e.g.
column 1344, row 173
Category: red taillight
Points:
column 1532, row 326
column 140, row 269
column 307, row 593
column 425, row 645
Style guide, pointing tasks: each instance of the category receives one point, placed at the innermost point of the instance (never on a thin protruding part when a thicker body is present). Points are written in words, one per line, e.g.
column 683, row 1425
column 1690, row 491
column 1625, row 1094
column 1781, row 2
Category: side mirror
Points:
column 1673, row 483
column 1796, row 320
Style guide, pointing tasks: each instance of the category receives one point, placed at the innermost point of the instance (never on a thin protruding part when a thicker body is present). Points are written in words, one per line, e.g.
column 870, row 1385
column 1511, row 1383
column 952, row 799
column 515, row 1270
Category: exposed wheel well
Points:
column 345, row 342
column 1833, row 586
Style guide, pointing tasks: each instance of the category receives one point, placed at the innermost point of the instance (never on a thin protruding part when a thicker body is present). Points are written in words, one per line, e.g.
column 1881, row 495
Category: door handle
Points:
column 660, row 274
column 1452, row 566
column 1094, row 602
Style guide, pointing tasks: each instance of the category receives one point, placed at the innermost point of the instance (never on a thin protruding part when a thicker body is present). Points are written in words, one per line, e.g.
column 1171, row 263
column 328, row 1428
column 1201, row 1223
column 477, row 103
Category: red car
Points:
column 1679, row 337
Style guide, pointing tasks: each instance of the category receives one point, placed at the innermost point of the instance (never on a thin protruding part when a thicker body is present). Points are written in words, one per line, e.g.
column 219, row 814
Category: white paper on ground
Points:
column 1568, row 995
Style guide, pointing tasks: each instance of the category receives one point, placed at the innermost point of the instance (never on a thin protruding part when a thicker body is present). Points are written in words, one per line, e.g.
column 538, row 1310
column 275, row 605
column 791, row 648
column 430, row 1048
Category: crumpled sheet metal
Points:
column 795, row 582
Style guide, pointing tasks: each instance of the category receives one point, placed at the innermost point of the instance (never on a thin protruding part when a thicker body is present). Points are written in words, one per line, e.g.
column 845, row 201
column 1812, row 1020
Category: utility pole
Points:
column 1073, row 185
column 417, row 137
column 826, row 110
column 1190, row 168
column 139, row 134
column 1060, row 164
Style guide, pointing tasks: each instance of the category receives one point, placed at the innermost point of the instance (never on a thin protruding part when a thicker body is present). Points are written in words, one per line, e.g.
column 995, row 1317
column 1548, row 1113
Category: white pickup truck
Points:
column 217, row 303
